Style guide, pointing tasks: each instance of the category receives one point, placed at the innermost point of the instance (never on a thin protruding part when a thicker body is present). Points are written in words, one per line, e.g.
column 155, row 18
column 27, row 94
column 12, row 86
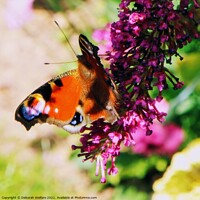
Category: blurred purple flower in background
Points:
column 18, row 12
column 165, row 140
column 102, row 37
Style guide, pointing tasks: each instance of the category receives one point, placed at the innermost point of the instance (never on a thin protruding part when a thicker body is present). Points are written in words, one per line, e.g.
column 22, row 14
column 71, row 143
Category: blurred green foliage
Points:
column 29, row 178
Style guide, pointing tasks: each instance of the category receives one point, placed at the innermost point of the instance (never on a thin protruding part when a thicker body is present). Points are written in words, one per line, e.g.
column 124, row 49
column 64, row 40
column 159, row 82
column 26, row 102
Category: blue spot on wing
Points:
column 26, row 113
column 77, row 119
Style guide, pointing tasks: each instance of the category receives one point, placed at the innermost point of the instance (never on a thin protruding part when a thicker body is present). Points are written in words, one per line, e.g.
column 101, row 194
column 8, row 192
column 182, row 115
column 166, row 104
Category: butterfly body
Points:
column 74, row 98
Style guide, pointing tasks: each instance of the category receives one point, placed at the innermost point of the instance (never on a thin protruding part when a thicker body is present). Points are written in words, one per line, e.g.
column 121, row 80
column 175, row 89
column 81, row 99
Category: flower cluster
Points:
column 144, row 39
column 100, row 144
column 165, row 140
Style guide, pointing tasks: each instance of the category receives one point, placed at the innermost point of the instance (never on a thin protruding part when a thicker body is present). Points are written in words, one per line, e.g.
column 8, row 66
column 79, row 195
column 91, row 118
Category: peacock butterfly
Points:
column 74, row 98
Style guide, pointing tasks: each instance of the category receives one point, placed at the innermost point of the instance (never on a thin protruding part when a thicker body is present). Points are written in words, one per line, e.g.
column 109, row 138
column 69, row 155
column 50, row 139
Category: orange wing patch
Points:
column 64, row 100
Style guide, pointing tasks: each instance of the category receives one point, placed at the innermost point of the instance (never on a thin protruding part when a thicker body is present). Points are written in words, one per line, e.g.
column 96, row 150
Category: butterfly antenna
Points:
column 58, row 63
column 65, row 37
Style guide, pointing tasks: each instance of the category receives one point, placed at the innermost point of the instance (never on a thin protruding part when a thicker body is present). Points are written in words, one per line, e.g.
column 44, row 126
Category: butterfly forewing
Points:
column 102, row 89
column 54, row 102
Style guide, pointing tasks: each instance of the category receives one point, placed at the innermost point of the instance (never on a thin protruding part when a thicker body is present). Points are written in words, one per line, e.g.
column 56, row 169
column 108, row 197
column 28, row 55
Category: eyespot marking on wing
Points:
column 77, row 122
column 77, row 119
column 35, row 106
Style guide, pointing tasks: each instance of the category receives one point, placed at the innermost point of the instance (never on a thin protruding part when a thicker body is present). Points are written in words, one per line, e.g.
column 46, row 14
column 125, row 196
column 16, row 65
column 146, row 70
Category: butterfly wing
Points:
column 56, row 102
column 102, row 94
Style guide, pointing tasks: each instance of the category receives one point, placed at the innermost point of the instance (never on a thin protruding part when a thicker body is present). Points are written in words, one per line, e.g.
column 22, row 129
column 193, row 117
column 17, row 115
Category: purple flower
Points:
column 115, row 137
column 137, row 18
column 100, row 144
column 146, row 37
column 113, row 169
column 18, row 12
